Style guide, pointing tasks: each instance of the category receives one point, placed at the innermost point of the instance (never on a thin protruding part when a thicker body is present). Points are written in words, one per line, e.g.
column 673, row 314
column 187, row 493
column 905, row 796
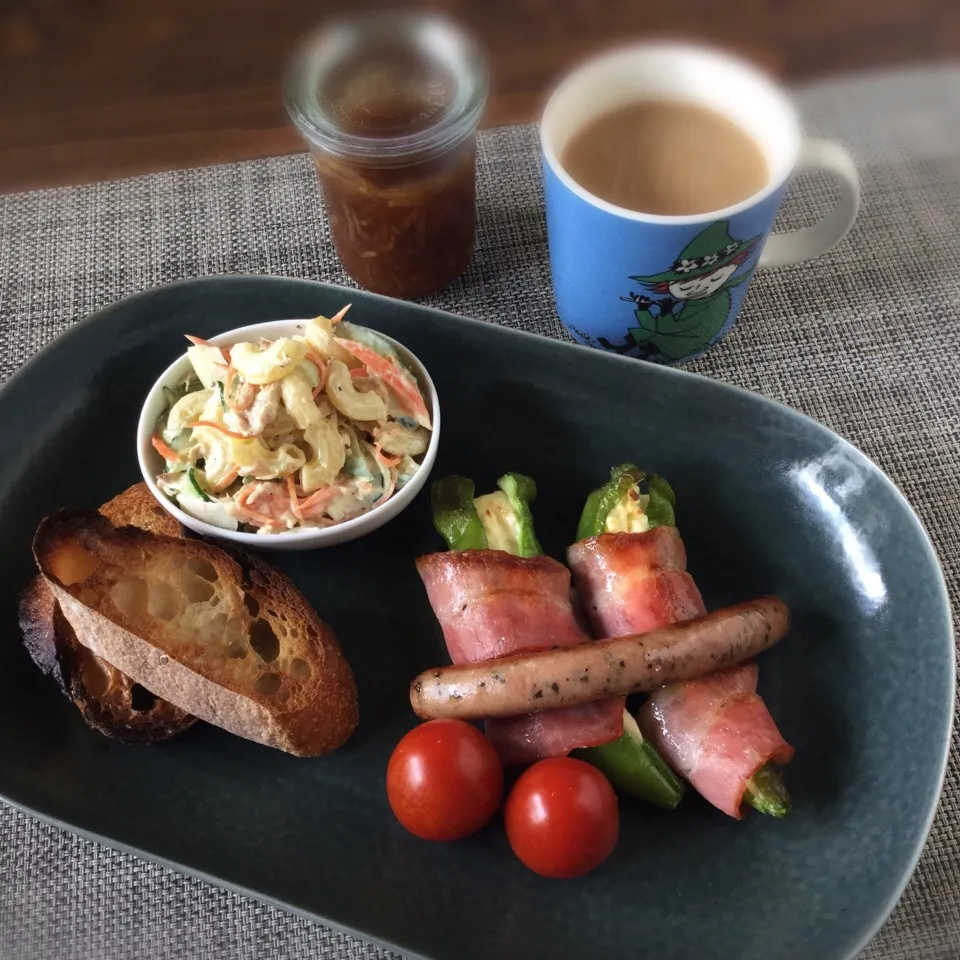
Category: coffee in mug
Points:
column 666, row 157
column 664, row 166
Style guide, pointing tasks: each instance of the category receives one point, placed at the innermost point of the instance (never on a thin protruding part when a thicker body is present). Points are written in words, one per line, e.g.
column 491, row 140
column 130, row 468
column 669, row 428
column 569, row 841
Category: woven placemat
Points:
column 866, row 340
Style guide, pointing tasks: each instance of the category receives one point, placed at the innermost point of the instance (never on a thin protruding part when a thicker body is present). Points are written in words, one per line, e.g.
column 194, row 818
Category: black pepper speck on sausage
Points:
column 682, row 651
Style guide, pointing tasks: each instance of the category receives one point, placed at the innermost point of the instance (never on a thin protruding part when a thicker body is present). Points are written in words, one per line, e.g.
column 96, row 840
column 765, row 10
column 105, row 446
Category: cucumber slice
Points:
column 373, row 340
column 179, row 443
column 216, row 512
column 633, row 765
column 193, row 499
column 173, row 394
column 369, row 338
column 195, row 485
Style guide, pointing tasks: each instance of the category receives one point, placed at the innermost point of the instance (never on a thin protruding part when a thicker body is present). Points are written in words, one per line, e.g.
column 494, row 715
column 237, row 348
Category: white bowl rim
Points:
column 145, row 428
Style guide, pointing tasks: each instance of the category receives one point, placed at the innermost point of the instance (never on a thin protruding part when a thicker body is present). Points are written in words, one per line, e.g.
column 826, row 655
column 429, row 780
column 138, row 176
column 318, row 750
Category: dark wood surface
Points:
column 92, row 89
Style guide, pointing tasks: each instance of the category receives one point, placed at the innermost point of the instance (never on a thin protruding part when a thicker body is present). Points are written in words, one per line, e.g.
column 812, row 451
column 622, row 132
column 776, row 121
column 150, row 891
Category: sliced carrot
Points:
column 340, row 314
column 218, row 426
column 406, row 391
column 315, row 359
column 241, row 501
column 166, row 452
column 260, row 518
column 318, row 500
column 388, row 460
column 226, row 481
column 246, row 491
column 294, row 502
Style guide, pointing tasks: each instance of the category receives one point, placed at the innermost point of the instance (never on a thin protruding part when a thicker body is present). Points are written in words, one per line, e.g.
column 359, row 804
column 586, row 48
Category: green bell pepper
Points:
column 660, row 506
column 627, row 480
column 632, row 764
column 455, row 516
column 636, row 766
column 521, row 491
column 766, row 793
column 459, row 519
column 593, row 519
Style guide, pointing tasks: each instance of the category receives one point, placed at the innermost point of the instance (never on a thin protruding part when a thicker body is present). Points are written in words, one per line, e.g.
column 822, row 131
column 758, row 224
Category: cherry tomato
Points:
column 444, row 780
column 562, row 818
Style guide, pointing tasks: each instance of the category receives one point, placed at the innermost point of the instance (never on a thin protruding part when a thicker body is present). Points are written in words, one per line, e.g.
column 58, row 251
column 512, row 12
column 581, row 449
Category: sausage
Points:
column 563, row 676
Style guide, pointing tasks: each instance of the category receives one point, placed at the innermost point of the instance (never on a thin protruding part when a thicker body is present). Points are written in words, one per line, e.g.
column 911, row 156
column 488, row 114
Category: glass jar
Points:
column 389, row 105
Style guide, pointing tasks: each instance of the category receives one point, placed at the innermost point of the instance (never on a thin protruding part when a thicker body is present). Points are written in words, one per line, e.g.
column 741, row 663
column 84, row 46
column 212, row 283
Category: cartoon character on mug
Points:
column 693, row 301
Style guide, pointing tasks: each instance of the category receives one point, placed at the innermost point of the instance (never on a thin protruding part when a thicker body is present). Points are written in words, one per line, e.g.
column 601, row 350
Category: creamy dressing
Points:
column 219, row 513
column 499, row 522
column 287, row 416
column 629, row 515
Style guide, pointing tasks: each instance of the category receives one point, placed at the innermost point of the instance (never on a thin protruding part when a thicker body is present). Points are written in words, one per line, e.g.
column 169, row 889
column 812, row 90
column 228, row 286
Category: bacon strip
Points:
column 716, row 731
column 634, row 582
column 490, row 604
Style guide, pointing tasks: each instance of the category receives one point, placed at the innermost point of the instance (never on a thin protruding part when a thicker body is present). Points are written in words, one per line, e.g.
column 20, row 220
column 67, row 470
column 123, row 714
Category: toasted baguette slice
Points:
column 109, row 701
column 37, row 613
column 234, row 644
column 137, row 507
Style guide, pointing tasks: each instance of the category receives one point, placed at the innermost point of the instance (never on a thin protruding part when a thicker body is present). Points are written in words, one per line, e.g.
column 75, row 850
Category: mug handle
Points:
column 797, row 245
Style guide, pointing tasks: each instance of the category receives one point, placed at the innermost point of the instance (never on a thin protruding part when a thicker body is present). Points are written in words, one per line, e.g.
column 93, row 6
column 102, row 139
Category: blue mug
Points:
column 667, row 288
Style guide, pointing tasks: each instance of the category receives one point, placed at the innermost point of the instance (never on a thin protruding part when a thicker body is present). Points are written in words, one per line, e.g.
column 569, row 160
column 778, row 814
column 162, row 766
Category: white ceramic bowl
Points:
column 310, row 538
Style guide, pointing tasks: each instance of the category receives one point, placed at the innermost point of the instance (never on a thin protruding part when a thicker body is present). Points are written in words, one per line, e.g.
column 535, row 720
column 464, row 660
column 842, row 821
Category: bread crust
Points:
column 108, row 700
column 234, row 643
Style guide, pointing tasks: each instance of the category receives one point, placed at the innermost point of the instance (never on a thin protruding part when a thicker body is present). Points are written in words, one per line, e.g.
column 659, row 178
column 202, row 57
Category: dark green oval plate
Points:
column 768, row 502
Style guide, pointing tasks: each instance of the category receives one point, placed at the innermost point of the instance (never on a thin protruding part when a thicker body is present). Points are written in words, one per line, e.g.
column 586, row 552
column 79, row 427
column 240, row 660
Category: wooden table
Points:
column 92, row 89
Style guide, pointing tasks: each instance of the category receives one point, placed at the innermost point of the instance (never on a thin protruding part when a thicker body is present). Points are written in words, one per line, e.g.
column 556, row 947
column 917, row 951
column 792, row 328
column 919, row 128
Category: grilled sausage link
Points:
column 550, row 679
